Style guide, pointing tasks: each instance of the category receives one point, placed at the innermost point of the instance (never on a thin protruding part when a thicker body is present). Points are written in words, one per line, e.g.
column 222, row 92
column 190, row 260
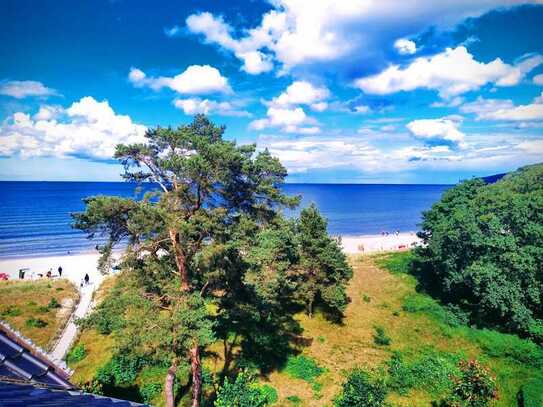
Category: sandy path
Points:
column 378, row 243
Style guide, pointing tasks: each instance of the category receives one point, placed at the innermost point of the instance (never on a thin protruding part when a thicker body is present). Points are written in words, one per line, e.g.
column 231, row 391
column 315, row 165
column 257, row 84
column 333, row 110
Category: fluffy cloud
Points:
column 294, row 33
column 289, row 120
column 87, row 128
column 538, row 79
column 405, row 46
column 451, row 73
column 301, row 93
column 23, row 89
column 442, row 131
column 217, row 31
column 192, row 106
column 195, row 80
column 504, row 109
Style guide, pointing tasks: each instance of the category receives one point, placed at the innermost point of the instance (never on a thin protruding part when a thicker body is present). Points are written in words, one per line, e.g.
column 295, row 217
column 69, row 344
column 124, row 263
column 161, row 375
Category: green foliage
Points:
column 431, row 372
column 366, row 298
column 35, row 323
column 396, row 263
column 150, row 391
column 450, row 315
column 530, row 394
column 53, row 303
column 360, row 390
column 380, row 337
column 295, row 400
column 499, row 345
column 474, row 387
column 323, row 271
column 483, row 250
column 244, row 392
column 269, row 393
column 120, row 370
column 303, row 367
column 10, row 311
column 76, row 354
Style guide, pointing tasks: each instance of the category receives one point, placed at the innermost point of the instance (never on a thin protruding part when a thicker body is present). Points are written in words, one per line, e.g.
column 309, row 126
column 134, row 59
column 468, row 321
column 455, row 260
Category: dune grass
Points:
column 38, row 309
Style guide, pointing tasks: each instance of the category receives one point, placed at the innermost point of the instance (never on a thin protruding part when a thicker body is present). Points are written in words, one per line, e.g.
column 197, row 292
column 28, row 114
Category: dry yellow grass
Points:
column 22, row 300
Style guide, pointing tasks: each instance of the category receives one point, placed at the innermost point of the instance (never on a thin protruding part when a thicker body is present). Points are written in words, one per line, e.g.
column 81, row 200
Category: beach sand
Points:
column 75, row 266
column 379, row 243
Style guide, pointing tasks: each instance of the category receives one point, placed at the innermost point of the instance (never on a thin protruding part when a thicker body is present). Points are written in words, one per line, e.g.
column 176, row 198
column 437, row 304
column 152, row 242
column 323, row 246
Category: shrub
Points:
column 380, row 338
column 366, row 298
column 243, row 392
column 396, row 263
column 270, row 393
column 121, row 369
column 35, row 323
column 53, row 303
column 359, row 390
column 303, row 367
column 10, row 311
column 474, row 387
column 149, row 391
column 431, row 372
column 294, row 400
column 76, row 354
column 451, row 315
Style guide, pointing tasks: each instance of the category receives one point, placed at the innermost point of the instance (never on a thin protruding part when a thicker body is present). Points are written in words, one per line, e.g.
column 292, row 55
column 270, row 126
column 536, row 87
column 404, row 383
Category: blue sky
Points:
column 352, row 92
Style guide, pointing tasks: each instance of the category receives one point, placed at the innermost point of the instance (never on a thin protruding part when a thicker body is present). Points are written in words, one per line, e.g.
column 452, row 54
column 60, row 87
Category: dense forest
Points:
column 222, row 300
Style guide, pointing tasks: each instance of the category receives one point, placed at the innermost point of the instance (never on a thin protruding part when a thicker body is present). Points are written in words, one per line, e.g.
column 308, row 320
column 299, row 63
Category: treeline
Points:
column 483, row 252
column 210, row 258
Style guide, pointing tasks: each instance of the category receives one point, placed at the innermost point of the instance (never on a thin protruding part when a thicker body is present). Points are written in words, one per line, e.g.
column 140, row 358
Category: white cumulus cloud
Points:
column 192, row 106
column 441, row 131
column 289, row 120
column 88, row 128
column 405, row 46
column 23, row 89
column 296, row 32
column 195, row 80
column 301, row 93
column 451, row 72
column 504, row 109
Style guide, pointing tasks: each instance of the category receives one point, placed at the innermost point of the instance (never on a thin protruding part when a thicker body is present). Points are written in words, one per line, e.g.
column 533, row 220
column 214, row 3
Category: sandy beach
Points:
column 74, row 267
column 378, row 243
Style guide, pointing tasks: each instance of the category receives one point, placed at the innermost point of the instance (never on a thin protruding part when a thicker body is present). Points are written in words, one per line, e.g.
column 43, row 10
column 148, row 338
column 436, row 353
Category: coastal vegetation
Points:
column 210, row 257
column 222, row 300
column 38, row 309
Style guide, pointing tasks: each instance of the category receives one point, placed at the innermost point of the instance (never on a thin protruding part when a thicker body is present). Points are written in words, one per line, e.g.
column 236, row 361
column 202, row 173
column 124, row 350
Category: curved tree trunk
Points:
column 168, row 385
column 196, row 368
column 179, row 260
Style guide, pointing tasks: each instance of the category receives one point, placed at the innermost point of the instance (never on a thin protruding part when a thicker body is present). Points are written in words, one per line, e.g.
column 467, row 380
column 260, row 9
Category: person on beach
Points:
column 50, row 273
column 87, row 278
column 60, row 271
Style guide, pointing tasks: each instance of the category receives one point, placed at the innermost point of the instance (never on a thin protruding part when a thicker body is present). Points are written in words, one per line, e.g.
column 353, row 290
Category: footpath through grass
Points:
column 38, row 309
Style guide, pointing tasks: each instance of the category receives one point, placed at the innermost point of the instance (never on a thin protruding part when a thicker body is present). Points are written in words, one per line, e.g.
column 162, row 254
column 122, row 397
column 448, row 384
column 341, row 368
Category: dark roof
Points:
column 29, row 378
column 19, row 361
column 20, row 394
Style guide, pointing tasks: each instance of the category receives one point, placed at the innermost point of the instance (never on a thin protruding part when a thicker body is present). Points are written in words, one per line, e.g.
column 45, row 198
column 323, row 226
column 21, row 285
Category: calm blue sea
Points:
column 35, row 216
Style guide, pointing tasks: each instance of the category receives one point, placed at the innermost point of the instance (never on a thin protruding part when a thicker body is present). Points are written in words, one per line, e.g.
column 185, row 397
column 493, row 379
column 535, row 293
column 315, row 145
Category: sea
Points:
column 35, row 217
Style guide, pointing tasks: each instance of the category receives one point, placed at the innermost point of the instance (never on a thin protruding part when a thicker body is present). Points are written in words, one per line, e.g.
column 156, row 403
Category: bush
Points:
column 396, row 263
column 76, row 354
column 35, row 323
column 121, row 369
column 53, row 303
column 359, row 390
column 431, row 372
column 380, row 338
column 366, row 298
column 149, row 391
column 294, row 400
column 475, row 387
column 10, row 311
column 243, row 392
column 451, row 315
column 303, row 367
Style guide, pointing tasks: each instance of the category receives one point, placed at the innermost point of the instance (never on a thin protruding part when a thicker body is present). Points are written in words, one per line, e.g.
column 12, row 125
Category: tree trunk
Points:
column 179, row 260
column 310, row 308
column 196, row 368
column 168, row 386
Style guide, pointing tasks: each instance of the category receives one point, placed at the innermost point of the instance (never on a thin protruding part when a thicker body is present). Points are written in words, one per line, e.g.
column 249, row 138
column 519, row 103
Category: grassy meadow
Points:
column 424, row 340
column 38, row 309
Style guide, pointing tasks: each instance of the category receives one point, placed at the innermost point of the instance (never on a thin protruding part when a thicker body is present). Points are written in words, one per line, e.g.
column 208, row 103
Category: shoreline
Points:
column 76, row 265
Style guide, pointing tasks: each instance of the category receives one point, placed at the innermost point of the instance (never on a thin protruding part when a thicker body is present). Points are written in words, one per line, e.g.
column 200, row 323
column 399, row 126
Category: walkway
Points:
column 70, row 331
